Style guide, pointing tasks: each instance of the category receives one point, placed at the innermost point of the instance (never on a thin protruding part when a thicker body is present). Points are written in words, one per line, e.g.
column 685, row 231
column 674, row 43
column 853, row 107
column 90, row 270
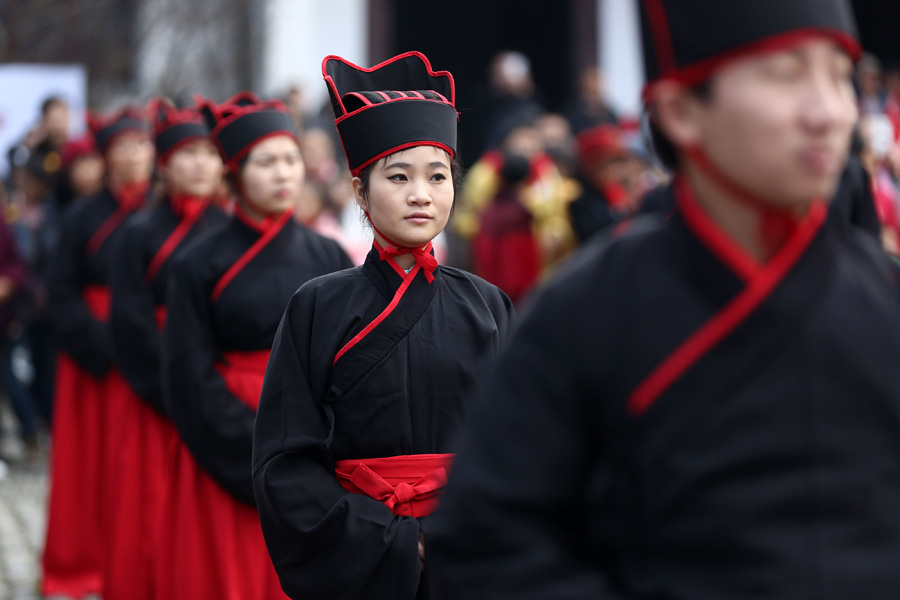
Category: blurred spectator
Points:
column 293, row 100
column 34, row 217
column 13, row 278
column 508, row 99
column 505, row 250
column 558, row 142
column 589, row 108
column 872, row 95
column 604, row 172
column 546, row 195
column 46, row 140
column 880, row 155
column 320, row 157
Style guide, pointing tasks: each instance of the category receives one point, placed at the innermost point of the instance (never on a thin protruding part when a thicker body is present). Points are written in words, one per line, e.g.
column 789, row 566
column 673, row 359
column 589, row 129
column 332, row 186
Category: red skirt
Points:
column 76, row 521
column 409, row 485
column 147, row 445
column 212, row 546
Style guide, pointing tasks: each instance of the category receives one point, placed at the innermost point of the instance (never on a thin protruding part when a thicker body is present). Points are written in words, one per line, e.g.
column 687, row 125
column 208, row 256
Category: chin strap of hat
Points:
column 775, row 225
column 423, row 256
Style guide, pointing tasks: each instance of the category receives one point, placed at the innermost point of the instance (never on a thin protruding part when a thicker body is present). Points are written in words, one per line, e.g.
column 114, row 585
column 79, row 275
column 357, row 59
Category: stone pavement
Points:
column 23, row 492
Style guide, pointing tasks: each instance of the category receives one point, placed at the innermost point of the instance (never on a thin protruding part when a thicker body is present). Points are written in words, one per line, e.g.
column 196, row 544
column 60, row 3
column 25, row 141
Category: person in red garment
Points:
column 191, row 170
column 88, row 388
column 225, row 297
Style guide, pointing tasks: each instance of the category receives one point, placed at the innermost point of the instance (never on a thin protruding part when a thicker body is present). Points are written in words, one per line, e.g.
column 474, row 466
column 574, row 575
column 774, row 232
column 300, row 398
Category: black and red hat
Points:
column 174, row 128
column 686, row 40
column 243, row 121
column 398, row 104
column 107, row 128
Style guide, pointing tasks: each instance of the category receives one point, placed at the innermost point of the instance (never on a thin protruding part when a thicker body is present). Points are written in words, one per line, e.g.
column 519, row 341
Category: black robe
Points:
column 216, row 426
column 766, row 465
column 399, row 391
column 137, row 294
column 83, row 258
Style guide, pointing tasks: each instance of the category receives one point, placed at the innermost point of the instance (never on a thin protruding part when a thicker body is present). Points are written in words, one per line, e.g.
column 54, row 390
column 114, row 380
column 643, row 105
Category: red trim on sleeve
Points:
column 732, row 254
column 724, row 322
column 251, row 253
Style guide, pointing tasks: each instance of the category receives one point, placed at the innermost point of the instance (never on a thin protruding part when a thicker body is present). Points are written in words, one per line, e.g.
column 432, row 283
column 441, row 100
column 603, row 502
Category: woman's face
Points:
column 193, row 170
column 273, row 176
column 129, row 158
column 410, row 195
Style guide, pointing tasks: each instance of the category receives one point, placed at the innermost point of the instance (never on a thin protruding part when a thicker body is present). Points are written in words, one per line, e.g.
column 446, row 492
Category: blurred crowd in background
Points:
column 538, row 184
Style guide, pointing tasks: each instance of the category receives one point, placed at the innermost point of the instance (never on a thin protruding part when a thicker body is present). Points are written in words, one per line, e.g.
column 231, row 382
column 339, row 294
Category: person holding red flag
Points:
column 225, row 296
column 89, row 390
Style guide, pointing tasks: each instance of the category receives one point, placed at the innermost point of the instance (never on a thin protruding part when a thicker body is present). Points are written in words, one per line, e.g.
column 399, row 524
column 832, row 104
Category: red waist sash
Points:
column 98, row 300
column 409, row 485
column 160, row 314
column 243, row 373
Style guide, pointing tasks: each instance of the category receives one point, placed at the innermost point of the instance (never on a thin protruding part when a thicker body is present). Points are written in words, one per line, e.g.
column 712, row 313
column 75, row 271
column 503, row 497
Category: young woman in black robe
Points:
column 226, row 294
column 366, row 386
column 705, row 405
column 89, row 391
column 191, row 169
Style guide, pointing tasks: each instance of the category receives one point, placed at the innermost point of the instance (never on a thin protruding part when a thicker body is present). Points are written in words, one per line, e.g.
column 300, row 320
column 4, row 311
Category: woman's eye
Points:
column 439, row 177
column 397, row 177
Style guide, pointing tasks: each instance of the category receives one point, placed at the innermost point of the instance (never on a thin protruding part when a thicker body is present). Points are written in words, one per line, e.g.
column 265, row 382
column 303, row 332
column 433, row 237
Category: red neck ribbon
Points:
column 423, row 256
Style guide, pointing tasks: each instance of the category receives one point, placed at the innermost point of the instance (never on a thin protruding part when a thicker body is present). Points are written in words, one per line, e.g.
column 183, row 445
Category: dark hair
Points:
column 50, row 102
column 663, row 148
column 456, row 176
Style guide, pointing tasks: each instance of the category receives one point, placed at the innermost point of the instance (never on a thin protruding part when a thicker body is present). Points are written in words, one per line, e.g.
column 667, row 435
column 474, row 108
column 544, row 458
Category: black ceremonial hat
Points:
column 106, row 128
column 243, row 121
column 686, row 40
column 398, row 104
column 173, row 128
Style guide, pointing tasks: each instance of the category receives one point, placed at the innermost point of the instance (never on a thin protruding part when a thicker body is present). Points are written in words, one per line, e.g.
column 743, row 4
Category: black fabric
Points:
column 105, row 135
column 247, row 128
column 771, row 469
column 216, row 426
column 135, row 332
column 167, row 140
column 324, row 541
column 591, row 213
column 854, row 201
column 85, row 339
column 699, row 30
column 387, row 126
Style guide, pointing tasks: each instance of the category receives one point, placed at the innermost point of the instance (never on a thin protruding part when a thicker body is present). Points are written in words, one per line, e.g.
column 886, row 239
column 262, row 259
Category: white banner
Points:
column 23, row 87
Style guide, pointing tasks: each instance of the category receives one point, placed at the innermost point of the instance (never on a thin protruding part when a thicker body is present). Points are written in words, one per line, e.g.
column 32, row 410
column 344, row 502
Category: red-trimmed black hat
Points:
column 398, row 104
column 106, row 128
column 174, row 128
column 243, row 121
column 686, row 40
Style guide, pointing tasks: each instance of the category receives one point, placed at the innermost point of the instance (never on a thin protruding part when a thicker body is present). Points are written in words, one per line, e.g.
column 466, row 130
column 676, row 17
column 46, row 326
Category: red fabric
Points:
column 190, row 209
column 724, row 322
column 410, row 485
column 211, row 546
column 98, row 301
column 73, row 550
column 511, row 260
column 269, row 228
column 131, row 198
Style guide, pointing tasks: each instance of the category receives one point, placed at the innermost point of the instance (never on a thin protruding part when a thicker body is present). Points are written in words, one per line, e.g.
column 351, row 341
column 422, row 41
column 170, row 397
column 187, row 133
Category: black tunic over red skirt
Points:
column 676, row 421
column 149, row 440
column 88, row 394
column 399, row 390
column 226, row 294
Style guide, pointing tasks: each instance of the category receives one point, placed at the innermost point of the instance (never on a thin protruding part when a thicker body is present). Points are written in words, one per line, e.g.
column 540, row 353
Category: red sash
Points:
column 98, row 300
column 243, row 373
column 160, row 315
column 409, row 485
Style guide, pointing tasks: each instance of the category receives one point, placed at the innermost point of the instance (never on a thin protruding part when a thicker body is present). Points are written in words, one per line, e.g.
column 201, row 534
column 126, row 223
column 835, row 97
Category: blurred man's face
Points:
column 777, row 124
column 56, row 123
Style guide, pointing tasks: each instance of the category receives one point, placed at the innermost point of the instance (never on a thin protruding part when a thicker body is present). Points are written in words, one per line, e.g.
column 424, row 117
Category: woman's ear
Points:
column 359, row 193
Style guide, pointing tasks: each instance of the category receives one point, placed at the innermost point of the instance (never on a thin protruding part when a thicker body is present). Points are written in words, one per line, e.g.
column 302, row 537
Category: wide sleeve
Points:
column 509, row 524
column 86, row 339
column 135, row 332
column 216, row 426
column 324, row 541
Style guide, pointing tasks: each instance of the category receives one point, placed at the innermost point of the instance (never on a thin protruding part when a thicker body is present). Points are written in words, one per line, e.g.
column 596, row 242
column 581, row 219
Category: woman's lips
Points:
column 820, row 161
column 418, row 217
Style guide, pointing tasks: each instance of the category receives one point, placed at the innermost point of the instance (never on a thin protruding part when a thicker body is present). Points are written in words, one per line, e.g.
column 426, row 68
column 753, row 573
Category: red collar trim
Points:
column 264, row 225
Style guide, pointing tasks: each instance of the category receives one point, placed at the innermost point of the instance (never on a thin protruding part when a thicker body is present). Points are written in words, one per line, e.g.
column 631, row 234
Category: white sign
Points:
column 24, row 87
